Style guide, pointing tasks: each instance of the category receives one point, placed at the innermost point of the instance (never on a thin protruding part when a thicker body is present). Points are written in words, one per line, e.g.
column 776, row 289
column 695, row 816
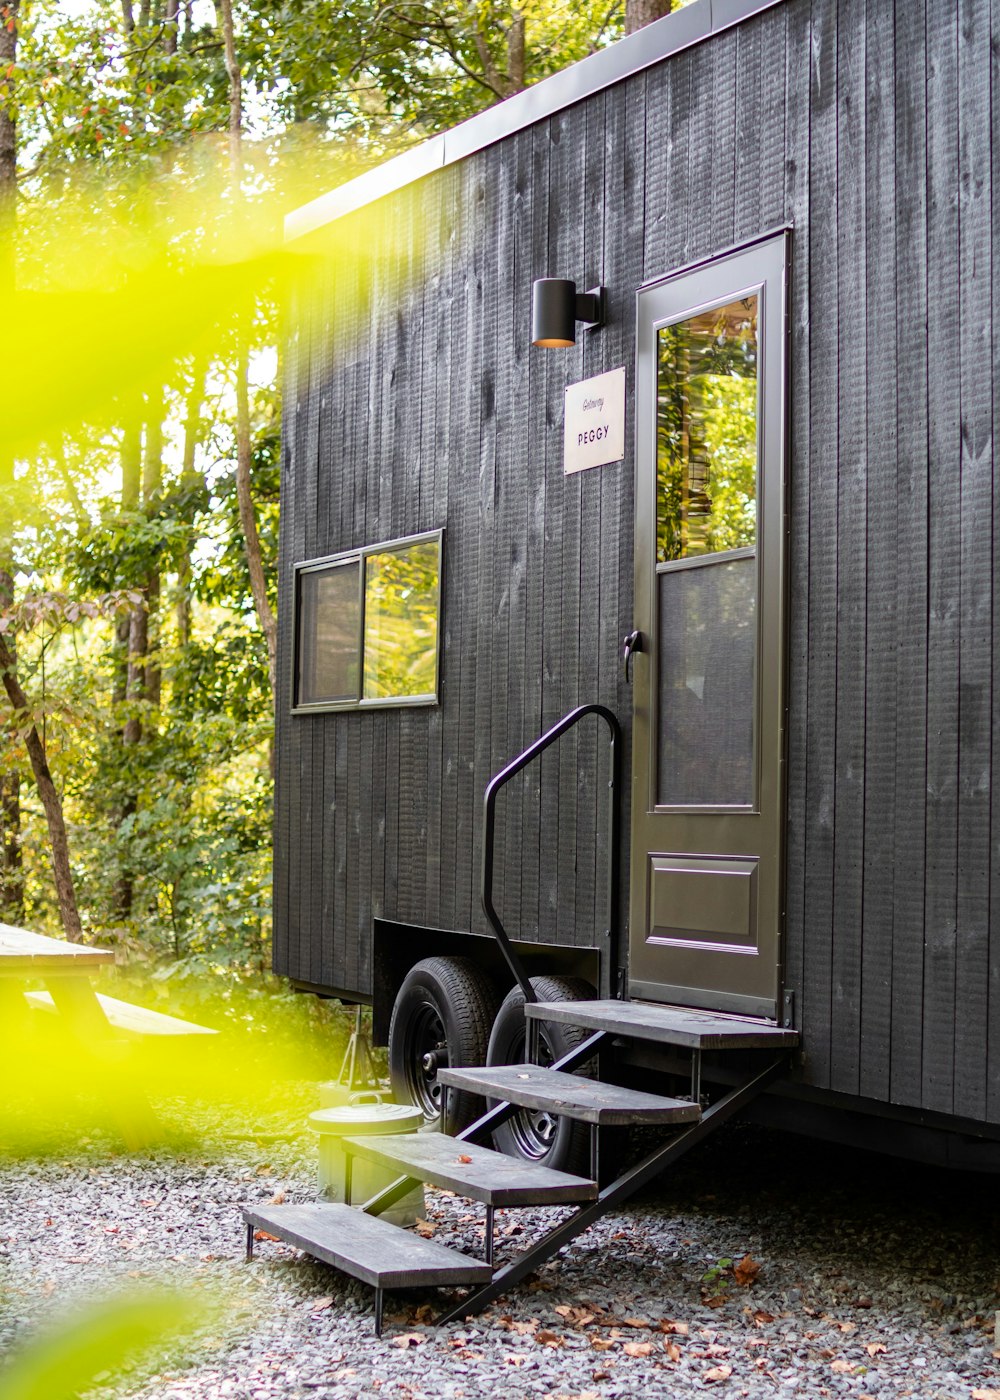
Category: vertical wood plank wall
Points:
column 414, row 401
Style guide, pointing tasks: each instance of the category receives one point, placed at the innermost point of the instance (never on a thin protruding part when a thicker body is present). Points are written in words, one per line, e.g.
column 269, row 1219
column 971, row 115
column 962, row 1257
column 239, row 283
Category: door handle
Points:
column 631, row 644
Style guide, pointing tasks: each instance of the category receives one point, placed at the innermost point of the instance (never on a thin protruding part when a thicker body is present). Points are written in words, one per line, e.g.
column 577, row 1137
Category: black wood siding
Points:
column 414, row 402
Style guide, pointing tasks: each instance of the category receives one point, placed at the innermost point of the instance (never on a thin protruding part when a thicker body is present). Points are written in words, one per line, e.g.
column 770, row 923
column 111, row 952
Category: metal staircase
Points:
column 386, row 1256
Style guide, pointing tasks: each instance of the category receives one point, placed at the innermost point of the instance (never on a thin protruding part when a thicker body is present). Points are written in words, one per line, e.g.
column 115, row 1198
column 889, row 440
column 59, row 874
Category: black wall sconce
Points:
column 556, row 307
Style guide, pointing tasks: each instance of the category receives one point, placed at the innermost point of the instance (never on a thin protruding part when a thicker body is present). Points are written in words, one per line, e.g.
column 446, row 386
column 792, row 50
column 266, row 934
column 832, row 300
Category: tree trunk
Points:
column 191, row 479
column 152, row 481
column 244, row 460
column 11, row 866
column 8, row 143
column 125, row 805
column 170, row 19
column 516, row 72
column 639, row 13
column 47, row 791
column 11, row 870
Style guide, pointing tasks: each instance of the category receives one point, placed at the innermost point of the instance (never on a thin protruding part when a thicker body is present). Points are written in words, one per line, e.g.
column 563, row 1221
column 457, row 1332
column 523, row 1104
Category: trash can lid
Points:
column 362, row 1119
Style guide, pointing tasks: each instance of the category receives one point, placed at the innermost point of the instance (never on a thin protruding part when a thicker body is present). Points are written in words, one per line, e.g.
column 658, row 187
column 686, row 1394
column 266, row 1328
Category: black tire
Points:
column 559, row 1143
column 441, row 1016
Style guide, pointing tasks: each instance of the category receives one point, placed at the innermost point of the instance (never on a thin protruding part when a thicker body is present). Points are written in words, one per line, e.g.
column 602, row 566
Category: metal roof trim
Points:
column 648, row 46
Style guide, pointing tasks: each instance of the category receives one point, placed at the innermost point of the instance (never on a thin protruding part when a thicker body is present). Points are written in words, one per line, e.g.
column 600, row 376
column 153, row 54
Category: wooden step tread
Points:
column 476, row 1172
column 570, row 1095
column 367, row 1247
column 671, row 1025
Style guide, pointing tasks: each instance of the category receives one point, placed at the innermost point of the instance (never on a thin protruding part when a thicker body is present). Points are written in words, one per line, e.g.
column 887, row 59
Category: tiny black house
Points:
column 771, row 468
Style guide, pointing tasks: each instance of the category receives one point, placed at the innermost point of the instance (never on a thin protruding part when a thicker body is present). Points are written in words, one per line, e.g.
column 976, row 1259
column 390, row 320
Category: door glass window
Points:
column 706, row 432
column 706, row 535
column 707, row 643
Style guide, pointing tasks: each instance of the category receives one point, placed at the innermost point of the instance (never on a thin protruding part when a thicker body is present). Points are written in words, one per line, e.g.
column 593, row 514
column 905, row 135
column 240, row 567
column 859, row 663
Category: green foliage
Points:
column 137, row 636
column 64, row 1360
column 386, row 74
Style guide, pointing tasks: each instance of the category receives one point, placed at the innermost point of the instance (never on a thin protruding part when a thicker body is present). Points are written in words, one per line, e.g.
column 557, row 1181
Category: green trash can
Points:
column 367, row 1178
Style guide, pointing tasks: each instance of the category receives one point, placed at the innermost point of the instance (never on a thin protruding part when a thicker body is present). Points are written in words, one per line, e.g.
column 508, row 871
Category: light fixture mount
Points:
column 557, row 307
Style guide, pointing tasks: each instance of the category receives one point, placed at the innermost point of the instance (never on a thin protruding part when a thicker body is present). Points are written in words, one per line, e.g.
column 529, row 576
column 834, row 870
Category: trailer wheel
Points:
column 559, row 1143
column 441, row 1016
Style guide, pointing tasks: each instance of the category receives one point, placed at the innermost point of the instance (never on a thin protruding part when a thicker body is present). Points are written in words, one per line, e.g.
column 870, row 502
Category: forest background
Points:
column 148, row 152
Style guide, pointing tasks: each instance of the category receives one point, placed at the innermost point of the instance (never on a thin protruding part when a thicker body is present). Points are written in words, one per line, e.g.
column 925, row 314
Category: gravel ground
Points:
column 875, row 1278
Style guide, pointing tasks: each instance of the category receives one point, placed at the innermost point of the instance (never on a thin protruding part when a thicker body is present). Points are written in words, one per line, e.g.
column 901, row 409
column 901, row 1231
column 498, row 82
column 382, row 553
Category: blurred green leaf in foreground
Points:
column 60, row 1362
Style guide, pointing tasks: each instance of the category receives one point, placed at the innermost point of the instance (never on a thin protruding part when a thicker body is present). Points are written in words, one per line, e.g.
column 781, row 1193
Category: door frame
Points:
column 727, row 831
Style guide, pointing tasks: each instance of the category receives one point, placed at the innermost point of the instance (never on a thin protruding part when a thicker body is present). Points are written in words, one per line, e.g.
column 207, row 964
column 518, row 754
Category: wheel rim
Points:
column 533, row 1129
column 426, row 1051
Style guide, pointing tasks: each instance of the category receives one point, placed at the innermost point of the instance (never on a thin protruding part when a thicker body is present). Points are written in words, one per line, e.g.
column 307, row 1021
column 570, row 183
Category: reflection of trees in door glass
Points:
column 401, row 621
column 706, row 432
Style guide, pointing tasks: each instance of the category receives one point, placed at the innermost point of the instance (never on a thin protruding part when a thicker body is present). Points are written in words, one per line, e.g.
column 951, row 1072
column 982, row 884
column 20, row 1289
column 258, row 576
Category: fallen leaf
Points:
column 278, row 1199
column 464, row 1158
column 546, row 1338
column 986, row 1395
column 321, row 1304
column 424, row 1228
column 718, row 1301
column 678, row 1329
column 409, row 1339
column 263, row 1235
column 425, row 1313
column 844, row 1326
column 873, row 1348
column 601, row 1376
column 579, row 1317
column 516, row 1358
column 745, row 1270
column 762, row 1318
column 523, row 1329
column 637, row 1348
column 635, row 1322
column 673, row 1351
column 718, row 1373
column 841, row 1366
column 264, row 1170
column 602, row 1343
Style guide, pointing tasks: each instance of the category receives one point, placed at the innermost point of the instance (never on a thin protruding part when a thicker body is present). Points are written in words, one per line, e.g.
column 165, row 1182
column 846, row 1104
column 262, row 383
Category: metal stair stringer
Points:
column 618, row 1191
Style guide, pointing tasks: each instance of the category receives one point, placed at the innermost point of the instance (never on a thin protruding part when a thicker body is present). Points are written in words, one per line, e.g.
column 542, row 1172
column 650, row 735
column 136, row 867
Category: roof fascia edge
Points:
column 643, row 49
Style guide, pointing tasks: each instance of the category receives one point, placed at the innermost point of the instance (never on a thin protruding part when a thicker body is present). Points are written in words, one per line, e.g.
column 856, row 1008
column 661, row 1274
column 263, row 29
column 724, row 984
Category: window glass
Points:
column 367, row 625
column 706, row 432
column 329, row 624
column 401, row 621
column 708, row 638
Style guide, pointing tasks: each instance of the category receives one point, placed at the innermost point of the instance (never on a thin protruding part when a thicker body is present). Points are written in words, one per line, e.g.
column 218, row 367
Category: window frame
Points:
column 360, row 556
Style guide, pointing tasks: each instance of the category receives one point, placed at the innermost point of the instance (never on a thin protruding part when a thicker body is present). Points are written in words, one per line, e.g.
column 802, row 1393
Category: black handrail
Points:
column 489, row 831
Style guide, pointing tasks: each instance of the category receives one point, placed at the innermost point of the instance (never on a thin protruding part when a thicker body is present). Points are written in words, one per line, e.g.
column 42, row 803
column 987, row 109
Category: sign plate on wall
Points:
column 594, row 421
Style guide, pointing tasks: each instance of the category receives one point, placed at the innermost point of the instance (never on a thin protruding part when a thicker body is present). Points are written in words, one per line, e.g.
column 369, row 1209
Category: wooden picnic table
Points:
column 65, row 969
